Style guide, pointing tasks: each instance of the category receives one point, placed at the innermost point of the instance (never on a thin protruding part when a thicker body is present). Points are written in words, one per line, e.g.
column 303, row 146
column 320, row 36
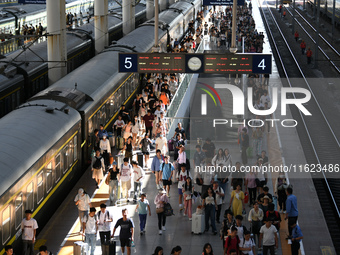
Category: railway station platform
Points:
column 283, row 148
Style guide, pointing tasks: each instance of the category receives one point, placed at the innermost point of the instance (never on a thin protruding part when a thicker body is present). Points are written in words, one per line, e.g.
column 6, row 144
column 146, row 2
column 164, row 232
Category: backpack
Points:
column 163, row 166
column 277, row 216
column 97, row 164
column 107, row 214
column 87, row 218
column 168, row 211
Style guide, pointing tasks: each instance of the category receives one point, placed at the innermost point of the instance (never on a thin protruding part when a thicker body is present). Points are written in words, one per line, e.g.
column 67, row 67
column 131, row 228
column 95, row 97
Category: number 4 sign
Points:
column 262, row 63
column 128, row 63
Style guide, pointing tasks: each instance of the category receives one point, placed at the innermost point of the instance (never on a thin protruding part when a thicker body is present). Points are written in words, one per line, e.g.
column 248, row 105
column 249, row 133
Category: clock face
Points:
column 194, row 63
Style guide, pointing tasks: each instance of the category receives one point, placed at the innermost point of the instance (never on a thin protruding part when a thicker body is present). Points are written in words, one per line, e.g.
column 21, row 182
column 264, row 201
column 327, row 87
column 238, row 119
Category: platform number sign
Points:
column 128, row 63
column 262, row 63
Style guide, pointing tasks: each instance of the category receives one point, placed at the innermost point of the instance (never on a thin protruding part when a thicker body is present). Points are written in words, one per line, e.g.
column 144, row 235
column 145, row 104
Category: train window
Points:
column 70, row 153
column 112, row 106
column 18, row 211
column 6, row 224
column 90, row 126
column 48, row 180
column 40, row 188
column 75, row 150
column 57, row 168
column 65, row 158
column 29, row 197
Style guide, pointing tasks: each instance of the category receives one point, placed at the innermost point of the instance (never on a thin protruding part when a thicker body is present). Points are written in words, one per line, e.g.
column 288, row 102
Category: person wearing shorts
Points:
column 156, row 167
column 126, row 231
column 167, row 170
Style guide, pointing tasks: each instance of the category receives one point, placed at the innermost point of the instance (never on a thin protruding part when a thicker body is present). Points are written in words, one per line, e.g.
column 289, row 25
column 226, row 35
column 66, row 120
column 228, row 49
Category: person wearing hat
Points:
column 260, row 197
column 113, row 177
column 265, row 205
column 83, row 202
column 90, row 228
column 98, row 168
column 29, row 228
column 161, row 199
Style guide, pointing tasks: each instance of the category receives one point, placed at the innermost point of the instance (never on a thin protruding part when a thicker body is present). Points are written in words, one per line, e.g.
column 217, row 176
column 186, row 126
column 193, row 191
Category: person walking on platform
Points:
column 280, row 190
column 156, row 167
column 29, row 228
column 142, row 208
column 138, row 175
column 296, row 35
column 161, row 199
column 125, row 178
column 268, row 234
column 309, row 56
column 237, row 200
column 167, row 171
column 105, row 149
column 210, row 206
column 128, row 148
column 104, row 227
column 296, row 239
column 98, row 168
column 118, row 125
column 113, row 178
column 83, row 202
column 303, row 47
column 209, row 150
column 90, row 228
column 291, row 208
column 126, row 231
column 255, row 217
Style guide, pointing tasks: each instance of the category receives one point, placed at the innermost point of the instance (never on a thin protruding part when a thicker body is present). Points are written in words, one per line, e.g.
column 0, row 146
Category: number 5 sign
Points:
column 128, row 63
column 262, row 63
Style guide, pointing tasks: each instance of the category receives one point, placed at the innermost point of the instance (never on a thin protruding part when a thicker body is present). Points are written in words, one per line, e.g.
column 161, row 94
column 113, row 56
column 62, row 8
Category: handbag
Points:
column 160, row 210
column 188, row 197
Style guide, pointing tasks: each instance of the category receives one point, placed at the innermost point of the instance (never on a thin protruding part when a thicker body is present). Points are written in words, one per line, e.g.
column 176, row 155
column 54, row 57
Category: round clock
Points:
column 194, row 63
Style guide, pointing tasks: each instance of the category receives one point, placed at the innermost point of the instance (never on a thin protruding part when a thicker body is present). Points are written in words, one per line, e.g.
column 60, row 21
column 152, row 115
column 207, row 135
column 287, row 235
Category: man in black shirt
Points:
column 245, row 145
column 209, row 150
column 126, row 231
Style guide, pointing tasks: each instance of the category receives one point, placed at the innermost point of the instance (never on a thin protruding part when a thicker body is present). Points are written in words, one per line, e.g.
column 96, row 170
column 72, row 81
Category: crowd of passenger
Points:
column 141, row 130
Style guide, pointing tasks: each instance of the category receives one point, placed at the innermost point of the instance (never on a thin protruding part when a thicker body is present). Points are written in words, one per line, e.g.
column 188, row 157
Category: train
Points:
column 326, row 8
column 46, row 142
column 23, row 74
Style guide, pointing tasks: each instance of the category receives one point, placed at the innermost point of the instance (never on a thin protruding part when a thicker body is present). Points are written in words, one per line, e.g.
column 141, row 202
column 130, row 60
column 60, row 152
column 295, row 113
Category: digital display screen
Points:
column 154, row 63
column 228, row 63
column 195, row 63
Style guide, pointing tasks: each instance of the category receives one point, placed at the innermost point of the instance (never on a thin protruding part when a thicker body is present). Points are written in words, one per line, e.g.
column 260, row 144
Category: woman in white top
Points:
column 218, row 159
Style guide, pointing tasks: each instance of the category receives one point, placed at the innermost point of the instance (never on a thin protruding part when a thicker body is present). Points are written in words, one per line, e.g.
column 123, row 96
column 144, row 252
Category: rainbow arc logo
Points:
column 204, row 97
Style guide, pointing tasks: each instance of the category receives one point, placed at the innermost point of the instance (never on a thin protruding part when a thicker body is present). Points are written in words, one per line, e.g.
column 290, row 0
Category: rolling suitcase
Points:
column 119, row 143
column 198, row 223
column 140, row 159
column 112, row 139
column 171, row 145
column 80, row 248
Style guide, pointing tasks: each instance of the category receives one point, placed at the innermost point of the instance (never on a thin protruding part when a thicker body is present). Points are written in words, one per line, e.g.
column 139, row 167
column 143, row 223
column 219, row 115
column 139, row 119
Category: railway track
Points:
column 320, row 142
column 328, row 51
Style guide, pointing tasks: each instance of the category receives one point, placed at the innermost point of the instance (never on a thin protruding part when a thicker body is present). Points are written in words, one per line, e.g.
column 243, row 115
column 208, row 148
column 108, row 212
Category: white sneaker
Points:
column 190, row 219
column 158, row 186
column 160, row 232
column 163, row 228
column 184, row 214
